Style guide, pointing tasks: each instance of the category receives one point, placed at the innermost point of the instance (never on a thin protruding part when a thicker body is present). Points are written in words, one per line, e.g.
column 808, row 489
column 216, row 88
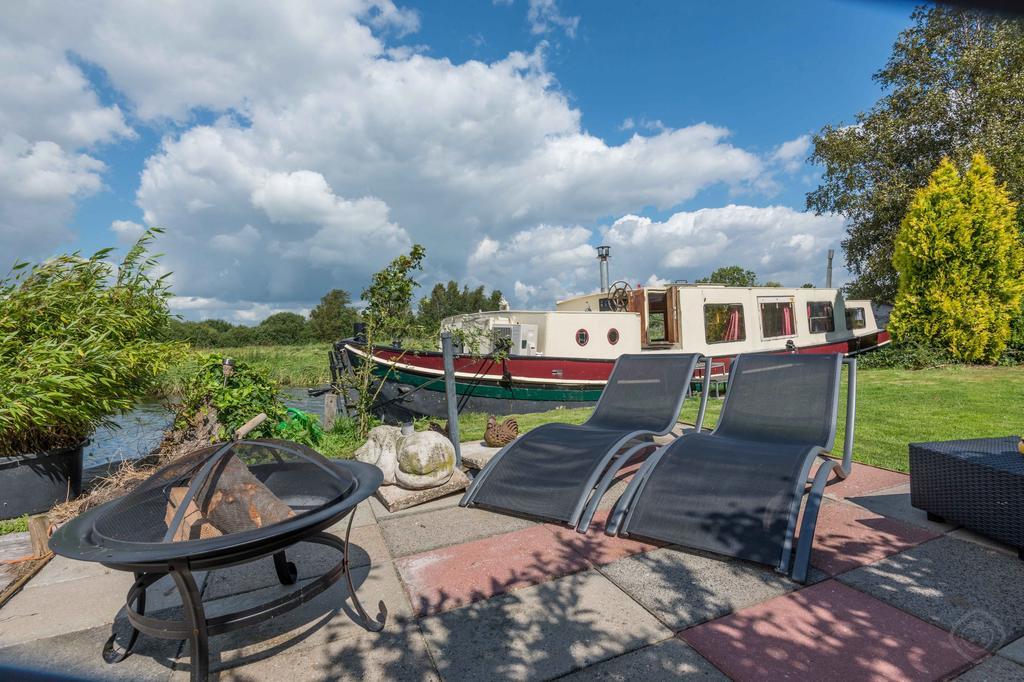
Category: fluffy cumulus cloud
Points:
column 330, row 151
column 542, row 264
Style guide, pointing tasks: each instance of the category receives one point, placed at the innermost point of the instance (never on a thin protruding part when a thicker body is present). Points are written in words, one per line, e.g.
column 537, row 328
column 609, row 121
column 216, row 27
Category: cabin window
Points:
column 821, row 317
column 613, row 336
column 723, row 322
column 776, row 317
column 855, row 318
column 582, row 337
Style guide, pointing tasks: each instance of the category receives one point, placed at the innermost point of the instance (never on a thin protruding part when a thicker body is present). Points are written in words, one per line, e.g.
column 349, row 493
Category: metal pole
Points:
column 450, row 396
column 828, row 272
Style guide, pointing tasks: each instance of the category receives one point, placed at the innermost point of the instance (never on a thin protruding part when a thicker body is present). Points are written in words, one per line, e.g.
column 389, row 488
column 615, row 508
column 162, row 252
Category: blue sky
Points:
column 290, row 150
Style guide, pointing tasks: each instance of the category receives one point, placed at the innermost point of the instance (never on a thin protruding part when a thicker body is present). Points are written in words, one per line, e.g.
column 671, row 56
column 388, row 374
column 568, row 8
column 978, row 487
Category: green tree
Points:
column 806, row 285
column 732, row 276
column 954, row 85
column 447, row 299
column 960, row 263
column 333, row 317
column 282, row 329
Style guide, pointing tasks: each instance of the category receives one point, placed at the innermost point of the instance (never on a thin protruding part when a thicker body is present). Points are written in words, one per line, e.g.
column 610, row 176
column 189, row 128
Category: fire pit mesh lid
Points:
column 226, row 488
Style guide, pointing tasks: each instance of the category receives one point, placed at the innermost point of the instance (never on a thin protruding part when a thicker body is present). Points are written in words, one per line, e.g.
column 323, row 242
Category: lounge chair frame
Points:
column 830, row 471
column 610, row 463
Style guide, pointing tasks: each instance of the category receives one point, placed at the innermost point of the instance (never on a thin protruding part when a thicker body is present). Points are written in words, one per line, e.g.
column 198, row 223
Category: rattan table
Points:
column 978, row 484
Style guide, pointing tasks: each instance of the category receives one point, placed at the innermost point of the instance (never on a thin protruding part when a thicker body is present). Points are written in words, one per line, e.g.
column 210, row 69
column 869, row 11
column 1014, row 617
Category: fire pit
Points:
column 220, row 506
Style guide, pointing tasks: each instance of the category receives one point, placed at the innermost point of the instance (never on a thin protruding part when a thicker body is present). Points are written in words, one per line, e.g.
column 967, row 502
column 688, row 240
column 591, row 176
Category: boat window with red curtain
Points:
column 821, row 317
column 776, row 317
column 723, row 322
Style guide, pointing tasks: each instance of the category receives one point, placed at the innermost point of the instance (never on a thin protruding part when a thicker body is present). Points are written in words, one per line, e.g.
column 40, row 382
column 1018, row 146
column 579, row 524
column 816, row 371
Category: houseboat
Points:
column 518, row 361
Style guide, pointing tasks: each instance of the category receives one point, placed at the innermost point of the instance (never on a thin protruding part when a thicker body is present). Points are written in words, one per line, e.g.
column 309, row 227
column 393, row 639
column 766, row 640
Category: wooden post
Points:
column 451, row 398
column 39, row 534
column 330, row 409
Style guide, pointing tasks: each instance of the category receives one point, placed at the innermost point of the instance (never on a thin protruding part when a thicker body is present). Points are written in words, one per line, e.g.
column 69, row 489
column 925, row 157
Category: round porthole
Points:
column 613, row 336
column 582, row 337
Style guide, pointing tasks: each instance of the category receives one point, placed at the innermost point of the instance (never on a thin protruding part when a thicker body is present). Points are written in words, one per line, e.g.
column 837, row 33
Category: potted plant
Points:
column 80, row 341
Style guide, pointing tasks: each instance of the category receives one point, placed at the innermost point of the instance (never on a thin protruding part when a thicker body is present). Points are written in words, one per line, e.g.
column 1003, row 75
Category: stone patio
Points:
column 475, row 595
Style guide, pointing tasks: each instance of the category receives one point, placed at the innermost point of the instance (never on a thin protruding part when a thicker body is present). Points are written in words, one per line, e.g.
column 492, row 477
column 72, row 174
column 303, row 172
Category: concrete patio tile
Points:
column 848, row 536
column 994, row 669
column 61, row 569
column 597, row 547
column 327, row 618
column 55, row 609
column 80, row 654
column 683, row 588
column 310, row 559
column 447, row 578
column 418, row 533
column 363, row 517
column 1014, row 651
column 540, row 632
column 865, row 479
column 969, row 590
column 895, row 503
column 662, row 662
column 829, row 631
column 984, row 541
column 381, row 513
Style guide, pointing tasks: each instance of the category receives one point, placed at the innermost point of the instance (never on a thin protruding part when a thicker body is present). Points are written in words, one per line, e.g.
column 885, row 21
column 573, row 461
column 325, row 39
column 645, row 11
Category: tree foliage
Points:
column 447, row 299
column 282, row 329
column 954, row 86
column 333, row 317
column 960, row 264
column 731, row 276
column 79, row 342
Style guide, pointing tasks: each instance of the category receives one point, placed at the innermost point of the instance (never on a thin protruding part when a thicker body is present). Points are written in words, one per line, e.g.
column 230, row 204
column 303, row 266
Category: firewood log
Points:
column 234, row 500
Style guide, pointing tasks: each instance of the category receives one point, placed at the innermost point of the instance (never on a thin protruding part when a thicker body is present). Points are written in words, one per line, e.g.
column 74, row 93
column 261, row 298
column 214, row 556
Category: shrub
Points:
column 79, row 342
column 960, row 264
column 237, row 398
column 905, row 356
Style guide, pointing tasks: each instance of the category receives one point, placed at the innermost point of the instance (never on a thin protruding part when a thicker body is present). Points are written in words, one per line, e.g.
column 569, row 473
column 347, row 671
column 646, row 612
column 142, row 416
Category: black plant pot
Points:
column 32, row 483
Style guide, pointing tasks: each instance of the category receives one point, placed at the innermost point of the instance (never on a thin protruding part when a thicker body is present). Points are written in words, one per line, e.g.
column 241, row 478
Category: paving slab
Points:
column 476, row 454
column 984, row 541
column 329, row 617
column 381, row 513
column 973, row 592
column 61, row 569
column 895, row 503
column 450, row 577
column 683, row 589
column 1014, row 651
column 395, row 498
column 864, row 479
column 597, row 547
column 848, row 536
column 311, row 560
column 994, row 669
column 79, row 654
column 662, row 662
column 418, row 533
column 42, row 611
column 540, row 632
column 829, row 631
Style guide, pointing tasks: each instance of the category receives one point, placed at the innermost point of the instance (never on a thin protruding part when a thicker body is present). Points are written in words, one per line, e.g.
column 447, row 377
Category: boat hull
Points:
column 413, row 381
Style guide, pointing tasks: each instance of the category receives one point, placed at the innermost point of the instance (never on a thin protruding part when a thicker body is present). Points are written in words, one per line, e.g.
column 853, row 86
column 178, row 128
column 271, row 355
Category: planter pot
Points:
column 32, row 483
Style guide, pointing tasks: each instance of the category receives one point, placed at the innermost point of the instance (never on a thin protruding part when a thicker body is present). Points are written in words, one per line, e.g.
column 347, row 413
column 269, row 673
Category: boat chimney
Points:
column 602, row 257
column 828, row 271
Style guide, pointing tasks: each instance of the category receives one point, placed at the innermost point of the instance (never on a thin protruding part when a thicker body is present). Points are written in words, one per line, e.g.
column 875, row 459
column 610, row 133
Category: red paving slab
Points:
column 865, row 479
column 447, row 578
column 848, row 536
column 597, row 547
column 829, row 631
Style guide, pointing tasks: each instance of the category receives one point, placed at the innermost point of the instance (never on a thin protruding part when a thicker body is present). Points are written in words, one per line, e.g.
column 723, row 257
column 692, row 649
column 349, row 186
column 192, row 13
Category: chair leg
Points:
column 605, row 483
column 806, row 540
column 625, row 501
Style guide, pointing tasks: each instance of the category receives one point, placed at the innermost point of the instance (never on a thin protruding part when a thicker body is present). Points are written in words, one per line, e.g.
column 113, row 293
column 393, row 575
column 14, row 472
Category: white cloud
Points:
column 544, row 16
column 792, row 153
column 127, row 230
column 627, row 124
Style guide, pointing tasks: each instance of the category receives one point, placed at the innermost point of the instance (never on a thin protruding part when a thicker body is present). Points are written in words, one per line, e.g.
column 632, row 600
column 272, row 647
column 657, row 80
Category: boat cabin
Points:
column 712, row 319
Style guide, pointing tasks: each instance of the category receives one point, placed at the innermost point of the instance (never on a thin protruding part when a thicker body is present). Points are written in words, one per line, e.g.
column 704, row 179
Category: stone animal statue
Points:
column 415, row 461
column 499, row 435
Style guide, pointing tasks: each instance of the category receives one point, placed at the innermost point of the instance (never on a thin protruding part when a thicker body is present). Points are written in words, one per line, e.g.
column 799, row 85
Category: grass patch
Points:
column 18, row 525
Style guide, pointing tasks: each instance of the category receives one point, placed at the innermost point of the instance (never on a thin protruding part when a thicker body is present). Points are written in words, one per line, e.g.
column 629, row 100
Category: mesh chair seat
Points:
column 724, row 495
column 549, row 472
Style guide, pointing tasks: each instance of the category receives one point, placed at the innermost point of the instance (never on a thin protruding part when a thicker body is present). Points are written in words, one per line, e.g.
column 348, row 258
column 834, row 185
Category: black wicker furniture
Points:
column 185, row 518
column 978, row 484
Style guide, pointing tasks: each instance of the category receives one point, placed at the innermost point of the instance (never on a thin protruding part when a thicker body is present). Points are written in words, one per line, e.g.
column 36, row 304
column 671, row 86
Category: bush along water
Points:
column 80, row 341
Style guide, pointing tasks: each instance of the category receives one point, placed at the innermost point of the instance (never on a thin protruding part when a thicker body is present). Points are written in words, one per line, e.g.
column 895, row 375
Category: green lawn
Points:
column 894, row 408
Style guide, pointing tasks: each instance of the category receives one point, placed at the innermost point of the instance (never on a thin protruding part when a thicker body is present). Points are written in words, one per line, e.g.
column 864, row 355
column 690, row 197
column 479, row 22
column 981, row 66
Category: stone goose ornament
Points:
column 499, row 435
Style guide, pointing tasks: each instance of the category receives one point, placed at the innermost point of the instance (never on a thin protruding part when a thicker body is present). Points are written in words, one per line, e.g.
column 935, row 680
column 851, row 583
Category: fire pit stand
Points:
column 126, row 535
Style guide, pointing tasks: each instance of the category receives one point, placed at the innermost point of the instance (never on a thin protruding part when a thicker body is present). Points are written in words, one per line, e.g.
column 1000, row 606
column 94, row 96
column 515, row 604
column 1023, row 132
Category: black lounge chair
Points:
column 737, row 490
column 550, row 472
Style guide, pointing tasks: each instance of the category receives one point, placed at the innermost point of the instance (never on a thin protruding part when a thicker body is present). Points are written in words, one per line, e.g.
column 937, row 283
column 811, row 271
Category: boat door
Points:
column 661, row 323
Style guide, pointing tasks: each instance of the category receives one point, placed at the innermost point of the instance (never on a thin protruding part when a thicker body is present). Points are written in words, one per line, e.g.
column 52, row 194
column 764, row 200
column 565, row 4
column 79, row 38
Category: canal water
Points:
column 141, row 429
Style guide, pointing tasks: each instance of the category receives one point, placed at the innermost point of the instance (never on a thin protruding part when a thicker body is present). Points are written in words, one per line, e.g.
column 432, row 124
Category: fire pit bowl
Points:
column 216, row 507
